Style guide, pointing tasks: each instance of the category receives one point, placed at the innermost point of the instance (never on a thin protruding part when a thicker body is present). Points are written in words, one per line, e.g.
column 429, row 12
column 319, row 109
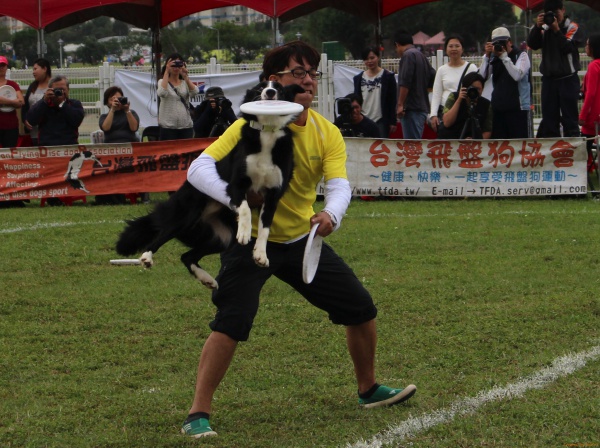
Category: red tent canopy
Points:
column 420, row 38
column 438, row 39
column 56, row 14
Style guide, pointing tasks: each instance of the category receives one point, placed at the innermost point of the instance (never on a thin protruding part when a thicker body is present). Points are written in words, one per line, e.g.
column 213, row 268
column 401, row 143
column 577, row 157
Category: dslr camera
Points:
column 549, row 17
column 472, row 93
column 344, row 107
column 58, row 92
column 123, row 100
column 500, row 46
column 178, row 63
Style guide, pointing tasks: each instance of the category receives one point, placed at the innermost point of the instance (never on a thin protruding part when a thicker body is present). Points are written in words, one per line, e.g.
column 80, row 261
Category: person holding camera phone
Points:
column 175, row 90
column 214, row 114
column 511, row 97
column 121, row 123
column 57, row 116
column 558, row 38
column 469, row 115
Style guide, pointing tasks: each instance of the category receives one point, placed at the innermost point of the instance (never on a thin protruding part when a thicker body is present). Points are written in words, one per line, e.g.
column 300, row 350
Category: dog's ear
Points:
column 290, row 92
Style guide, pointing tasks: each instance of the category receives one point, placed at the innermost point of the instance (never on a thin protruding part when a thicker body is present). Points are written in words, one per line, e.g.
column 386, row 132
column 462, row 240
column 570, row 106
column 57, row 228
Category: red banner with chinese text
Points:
column 59, row 171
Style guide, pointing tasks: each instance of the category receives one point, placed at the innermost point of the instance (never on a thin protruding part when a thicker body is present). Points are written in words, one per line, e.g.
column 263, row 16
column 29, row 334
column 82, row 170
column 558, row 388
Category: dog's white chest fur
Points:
column 260, row 167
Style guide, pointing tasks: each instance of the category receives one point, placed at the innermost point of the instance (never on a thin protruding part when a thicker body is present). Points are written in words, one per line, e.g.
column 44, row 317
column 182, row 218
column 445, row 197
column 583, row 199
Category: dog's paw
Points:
column 146, row 260
column 244, row 232
column 204, row 277
column 260, row 258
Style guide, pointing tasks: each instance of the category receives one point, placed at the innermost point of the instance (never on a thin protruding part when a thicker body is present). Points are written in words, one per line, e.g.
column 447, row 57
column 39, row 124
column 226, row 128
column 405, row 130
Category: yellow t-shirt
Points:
column 319, row 151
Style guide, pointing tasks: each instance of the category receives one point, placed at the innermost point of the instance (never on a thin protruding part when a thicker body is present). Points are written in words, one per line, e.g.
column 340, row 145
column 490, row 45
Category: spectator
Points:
column 319, row 151
column 214, row 114
column 377, row 86
column 352, row 122
column 121, row 123
column 175, row 90
column 414, row 75
column 57, row 115
column 448, row 77
column 590, row 110
column 42, row 73
column 558, row 38
column 9, row 122
column 468, row 114
column 511, row 95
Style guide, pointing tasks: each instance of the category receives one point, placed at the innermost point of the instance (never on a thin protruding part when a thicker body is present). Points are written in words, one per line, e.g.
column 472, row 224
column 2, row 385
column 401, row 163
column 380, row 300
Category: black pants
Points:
column 9, row 138
column 559, row 105
column 514, row 124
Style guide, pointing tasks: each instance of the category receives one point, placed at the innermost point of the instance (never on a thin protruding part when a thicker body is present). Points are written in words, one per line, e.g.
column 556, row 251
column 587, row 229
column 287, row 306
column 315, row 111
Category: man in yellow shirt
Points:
column 319, row 151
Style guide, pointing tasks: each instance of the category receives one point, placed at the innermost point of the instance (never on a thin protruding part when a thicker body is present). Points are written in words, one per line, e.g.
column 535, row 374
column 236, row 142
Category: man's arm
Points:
column 203, row 175
column 535, row 38
column 73, row 112
column 37, row 112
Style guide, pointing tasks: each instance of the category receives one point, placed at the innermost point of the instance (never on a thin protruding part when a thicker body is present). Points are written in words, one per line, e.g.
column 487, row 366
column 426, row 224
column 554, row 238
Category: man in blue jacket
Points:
column 57, row 116
column 557, row 36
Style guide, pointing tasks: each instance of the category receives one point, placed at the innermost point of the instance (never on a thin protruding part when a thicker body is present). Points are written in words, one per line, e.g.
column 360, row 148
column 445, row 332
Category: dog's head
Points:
column 267, row 91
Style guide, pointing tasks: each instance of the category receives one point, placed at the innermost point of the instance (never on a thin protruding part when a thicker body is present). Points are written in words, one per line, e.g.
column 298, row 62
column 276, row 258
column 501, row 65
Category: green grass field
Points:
column 472, row 295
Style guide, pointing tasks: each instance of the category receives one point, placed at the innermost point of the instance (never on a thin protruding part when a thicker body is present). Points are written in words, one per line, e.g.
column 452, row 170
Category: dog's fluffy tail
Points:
column 138, row 234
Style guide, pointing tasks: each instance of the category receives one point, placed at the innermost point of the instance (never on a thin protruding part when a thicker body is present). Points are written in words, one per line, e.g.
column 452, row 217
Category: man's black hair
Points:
column 354, row 97
column 472, row 77
column 403, row 38
column 553, row 5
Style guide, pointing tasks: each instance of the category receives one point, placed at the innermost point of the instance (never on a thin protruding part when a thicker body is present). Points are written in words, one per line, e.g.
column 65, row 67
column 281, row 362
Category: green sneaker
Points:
column 198, row 428
column 386, row 396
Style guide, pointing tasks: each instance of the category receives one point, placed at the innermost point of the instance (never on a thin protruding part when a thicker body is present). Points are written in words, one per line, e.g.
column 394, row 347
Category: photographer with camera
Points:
column 175, row 89
column 57, row 116
column 469, row 115
column 558, row 38
column 511, row 97
column 120, row 123
column 214, row 114
column 351, row 121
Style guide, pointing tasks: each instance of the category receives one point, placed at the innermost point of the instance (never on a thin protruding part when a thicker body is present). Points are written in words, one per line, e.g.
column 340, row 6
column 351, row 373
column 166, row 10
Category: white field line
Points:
column 560, row 367
column 593, row 211
column 52, row 225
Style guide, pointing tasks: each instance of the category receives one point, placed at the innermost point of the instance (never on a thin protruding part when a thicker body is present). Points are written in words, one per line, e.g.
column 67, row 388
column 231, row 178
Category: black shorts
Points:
column 335, row 288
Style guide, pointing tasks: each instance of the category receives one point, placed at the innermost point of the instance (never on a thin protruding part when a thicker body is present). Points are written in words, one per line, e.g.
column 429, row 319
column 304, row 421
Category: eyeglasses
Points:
column 301, row 73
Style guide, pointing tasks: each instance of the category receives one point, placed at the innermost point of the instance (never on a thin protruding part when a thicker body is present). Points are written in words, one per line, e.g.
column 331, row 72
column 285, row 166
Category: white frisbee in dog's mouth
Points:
column 271, row 107
column 312, row 254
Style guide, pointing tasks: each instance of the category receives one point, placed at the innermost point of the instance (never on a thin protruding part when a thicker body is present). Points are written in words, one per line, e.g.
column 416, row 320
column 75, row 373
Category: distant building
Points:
column 240, row 15
column 13, row 25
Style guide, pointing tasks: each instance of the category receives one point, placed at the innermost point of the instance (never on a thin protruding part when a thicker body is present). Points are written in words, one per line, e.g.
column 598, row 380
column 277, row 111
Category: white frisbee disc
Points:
column 271, row 107
column 312, row 254
column 126, row 261
column 8, row 92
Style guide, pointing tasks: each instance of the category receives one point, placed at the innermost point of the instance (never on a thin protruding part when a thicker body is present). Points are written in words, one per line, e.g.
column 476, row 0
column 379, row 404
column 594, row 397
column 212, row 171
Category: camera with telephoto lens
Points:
column 549, row 17
column 58, row 92
column 473, row 93
column 344, row 106
column 123, row 100
column 177, row 63
column 500, row 45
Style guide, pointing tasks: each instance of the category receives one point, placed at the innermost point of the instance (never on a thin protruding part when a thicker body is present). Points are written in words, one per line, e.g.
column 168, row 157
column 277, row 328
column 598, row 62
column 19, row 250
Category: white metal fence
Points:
column 88, row 84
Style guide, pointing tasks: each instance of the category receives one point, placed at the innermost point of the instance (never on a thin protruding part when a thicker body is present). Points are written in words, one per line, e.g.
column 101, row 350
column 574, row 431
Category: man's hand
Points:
column 400, row 111
column 325, row 223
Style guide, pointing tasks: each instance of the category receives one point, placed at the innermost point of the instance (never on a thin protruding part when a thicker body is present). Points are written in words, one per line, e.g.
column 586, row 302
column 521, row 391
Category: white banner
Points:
column 445, row 168
column 140, row 88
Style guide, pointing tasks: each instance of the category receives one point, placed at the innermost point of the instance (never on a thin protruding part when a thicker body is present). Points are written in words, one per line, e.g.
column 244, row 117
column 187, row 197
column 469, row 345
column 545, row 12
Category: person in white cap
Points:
column 511, row 97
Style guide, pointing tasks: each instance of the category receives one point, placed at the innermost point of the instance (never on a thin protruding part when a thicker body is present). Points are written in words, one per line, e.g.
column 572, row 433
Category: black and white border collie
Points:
column 262, row 161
